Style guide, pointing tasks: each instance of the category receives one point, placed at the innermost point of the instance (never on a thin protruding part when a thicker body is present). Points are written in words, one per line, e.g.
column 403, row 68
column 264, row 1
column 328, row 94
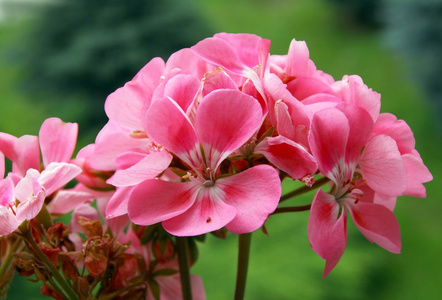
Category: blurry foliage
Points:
column 91, row 48
column 414, row 29
column 362, row 13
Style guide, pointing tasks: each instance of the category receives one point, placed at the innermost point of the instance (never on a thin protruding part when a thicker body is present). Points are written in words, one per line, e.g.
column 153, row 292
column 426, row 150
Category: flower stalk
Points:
column 183, row 262
column 244, row 241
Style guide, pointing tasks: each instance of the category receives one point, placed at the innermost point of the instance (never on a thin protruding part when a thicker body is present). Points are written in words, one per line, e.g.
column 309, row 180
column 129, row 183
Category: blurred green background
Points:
column 63, row 61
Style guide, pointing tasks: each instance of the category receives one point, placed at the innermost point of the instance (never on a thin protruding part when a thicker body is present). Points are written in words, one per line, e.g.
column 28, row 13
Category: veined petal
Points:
column 2, row 165
column 57, row 175
column 147, row 168
column 208, row 213
column 225, row 120
column 155, row 200
column 6, row 192
column 328, row 140
column 57, row 140
column 297, row 59
column 183, row 89
column 288, row 156
column 382, row 166
column 167, row 124
column 304, row 87
column 327, row 229
column 67, row 200
column 378, row 224
column 254, row 193
column 217, row 79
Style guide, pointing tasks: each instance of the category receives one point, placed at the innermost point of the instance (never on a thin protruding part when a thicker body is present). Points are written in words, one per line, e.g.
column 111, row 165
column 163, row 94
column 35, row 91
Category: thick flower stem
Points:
column 67, row 288
column 6, row 263
column 304, row 189
column 183, row 262
column 292, row 209
column 243, row 264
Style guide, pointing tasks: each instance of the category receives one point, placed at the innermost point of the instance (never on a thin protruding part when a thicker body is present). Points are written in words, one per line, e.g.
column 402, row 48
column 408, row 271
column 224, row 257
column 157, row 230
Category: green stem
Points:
column 6, row 263
column 67, row 288
column 183, row 262
column 291, row 209
column 304, row 189
column 243, row 264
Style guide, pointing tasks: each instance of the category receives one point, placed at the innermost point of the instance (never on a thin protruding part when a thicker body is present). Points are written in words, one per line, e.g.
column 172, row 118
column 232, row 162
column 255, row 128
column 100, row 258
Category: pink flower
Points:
column 224, row 121
column 340, row 141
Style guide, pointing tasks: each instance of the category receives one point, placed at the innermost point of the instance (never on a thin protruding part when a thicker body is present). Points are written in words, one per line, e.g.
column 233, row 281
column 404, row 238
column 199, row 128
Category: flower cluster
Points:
column 200, row 144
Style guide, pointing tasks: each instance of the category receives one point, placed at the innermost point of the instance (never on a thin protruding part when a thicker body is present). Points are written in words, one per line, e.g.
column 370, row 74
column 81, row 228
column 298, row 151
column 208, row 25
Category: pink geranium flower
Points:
column 224, row 121
column 340, row 141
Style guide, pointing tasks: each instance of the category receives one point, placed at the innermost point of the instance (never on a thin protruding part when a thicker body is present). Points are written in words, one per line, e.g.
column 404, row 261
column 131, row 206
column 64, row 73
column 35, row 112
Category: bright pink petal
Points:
column 31, row 206
column 288, row 156
column 360, row 124
column 208, row 213
column 26, row 154
column 8, row 222
column 254, row 193
column 2, row 165
column 327, row 229
column 27, row 185
column 124, row 106
column 381, row 165
column 225, row 120
column 378, row 224
column 168, row 125
column 417, row 173
column 147, row 168
column 154, row 200
column 297, row 59
column 57, row 140
column 57, row 175
column 186, row 59
column 328, row 140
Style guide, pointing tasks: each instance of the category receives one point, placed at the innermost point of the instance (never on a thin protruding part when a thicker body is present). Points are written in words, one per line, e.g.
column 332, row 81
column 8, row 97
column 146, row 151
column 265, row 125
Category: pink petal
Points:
column 360, row 124
column 27, row 185
column 304, row 87
column 378, row 224
column 225, row 120
column 111, row 141
column 57, row 140
column 381, row 165
column 297, row 59
column 7, row 142
column 208, row 213
column 8, row 222
column 6, row 192
column 327, row 229
column 124, row 106
column 186, row 59
column 2, row 165
column 397, row 129
column 26, row 154
column 168, row 125
column 67, row 200
column 291, row 125
column 182, row 88
column 57, row 175
column 288, row 156
column 31, row 206
column 352, row 90
column 154, row 200
column 147, row 168
column 83, row 210
column 217, row 79
column 328, row 140
column 254, row 193
column 417, row 173
column 117, row 204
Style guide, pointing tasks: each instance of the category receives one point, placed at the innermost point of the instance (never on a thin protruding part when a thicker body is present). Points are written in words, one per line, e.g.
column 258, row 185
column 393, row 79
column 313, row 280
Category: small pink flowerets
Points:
column 202, row 141
column 24, row 190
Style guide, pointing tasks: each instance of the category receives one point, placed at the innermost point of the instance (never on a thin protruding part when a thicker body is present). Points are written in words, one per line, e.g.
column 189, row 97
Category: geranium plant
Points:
column 200, row 145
